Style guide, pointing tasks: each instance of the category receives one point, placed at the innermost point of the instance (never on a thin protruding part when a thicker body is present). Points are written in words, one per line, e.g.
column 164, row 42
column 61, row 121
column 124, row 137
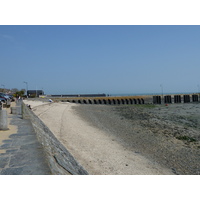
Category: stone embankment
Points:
column 61, row 162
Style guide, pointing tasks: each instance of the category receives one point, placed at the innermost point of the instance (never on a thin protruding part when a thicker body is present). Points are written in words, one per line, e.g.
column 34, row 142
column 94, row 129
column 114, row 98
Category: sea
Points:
column 146, row 94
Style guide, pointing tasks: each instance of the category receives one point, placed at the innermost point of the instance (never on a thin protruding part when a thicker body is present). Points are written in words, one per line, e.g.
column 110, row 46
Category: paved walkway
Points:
column 20, row 151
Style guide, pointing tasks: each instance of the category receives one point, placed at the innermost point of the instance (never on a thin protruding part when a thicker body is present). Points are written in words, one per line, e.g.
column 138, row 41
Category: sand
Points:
column 98, row 151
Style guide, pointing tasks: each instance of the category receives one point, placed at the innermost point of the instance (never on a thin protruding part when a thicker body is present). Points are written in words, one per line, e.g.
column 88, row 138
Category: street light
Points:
column 26, row 88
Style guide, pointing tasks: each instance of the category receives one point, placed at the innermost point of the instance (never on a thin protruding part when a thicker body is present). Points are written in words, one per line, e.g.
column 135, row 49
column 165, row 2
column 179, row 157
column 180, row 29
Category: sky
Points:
column 101, row 59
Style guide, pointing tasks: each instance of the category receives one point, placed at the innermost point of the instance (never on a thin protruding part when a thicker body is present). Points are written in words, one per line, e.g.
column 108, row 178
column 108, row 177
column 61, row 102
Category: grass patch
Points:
column 186, row 138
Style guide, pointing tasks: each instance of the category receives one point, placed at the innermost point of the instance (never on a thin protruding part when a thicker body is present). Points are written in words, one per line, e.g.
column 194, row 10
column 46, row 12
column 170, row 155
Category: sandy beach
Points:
column 129, row 140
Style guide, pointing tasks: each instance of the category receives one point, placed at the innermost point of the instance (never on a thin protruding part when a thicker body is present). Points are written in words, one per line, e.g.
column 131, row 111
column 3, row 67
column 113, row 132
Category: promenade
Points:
column 20, row 151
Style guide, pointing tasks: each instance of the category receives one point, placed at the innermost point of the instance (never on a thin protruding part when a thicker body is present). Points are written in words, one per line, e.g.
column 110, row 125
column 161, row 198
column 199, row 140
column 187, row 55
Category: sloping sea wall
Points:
column 60, row 160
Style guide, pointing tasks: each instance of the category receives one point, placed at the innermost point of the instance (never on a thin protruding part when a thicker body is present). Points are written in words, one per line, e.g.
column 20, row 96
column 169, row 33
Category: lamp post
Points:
column 26, row 88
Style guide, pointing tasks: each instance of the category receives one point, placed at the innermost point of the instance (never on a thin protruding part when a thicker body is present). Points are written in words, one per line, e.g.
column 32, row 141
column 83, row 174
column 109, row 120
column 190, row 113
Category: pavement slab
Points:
column 20, row 151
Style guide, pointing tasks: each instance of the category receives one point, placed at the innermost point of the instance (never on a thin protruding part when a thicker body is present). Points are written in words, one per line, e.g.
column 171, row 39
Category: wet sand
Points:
column 166, row 135
column 126, row 139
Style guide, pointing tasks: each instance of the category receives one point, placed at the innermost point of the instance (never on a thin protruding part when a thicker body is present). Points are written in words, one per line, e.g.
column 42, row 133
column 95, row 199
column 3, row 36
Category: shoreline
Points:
column 101, row 138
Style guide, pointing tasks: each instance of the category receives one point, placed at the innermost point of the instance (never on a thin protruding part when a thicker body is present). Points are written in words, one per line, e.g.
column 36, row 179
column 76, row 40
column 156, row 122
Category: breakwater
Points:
column 107, row 100
column 148, row 99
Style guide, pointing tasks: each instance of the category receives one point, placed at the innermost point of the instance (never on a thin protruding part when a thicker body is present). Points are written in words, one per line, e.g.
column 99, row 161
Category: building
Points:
column 35, row 93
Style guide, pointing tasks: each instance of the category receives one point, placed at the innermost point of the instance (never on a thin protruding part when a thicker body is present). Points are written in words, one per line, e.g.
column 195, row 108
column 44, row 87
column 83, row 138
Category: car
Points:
column 11, row 97
column 3, row 100
column 5, row 96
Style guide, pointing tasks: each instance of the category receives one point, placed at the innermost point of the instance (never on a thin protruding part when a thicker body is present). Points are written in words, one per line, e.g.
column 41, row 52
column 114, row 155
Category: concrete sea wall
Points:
column 61, row 162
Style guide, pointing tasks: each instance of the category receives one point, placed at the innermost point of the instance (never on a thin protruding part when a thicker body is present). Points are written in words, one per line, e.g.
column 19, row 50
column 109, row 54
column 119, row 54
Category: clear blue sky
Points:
column 100, row 59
